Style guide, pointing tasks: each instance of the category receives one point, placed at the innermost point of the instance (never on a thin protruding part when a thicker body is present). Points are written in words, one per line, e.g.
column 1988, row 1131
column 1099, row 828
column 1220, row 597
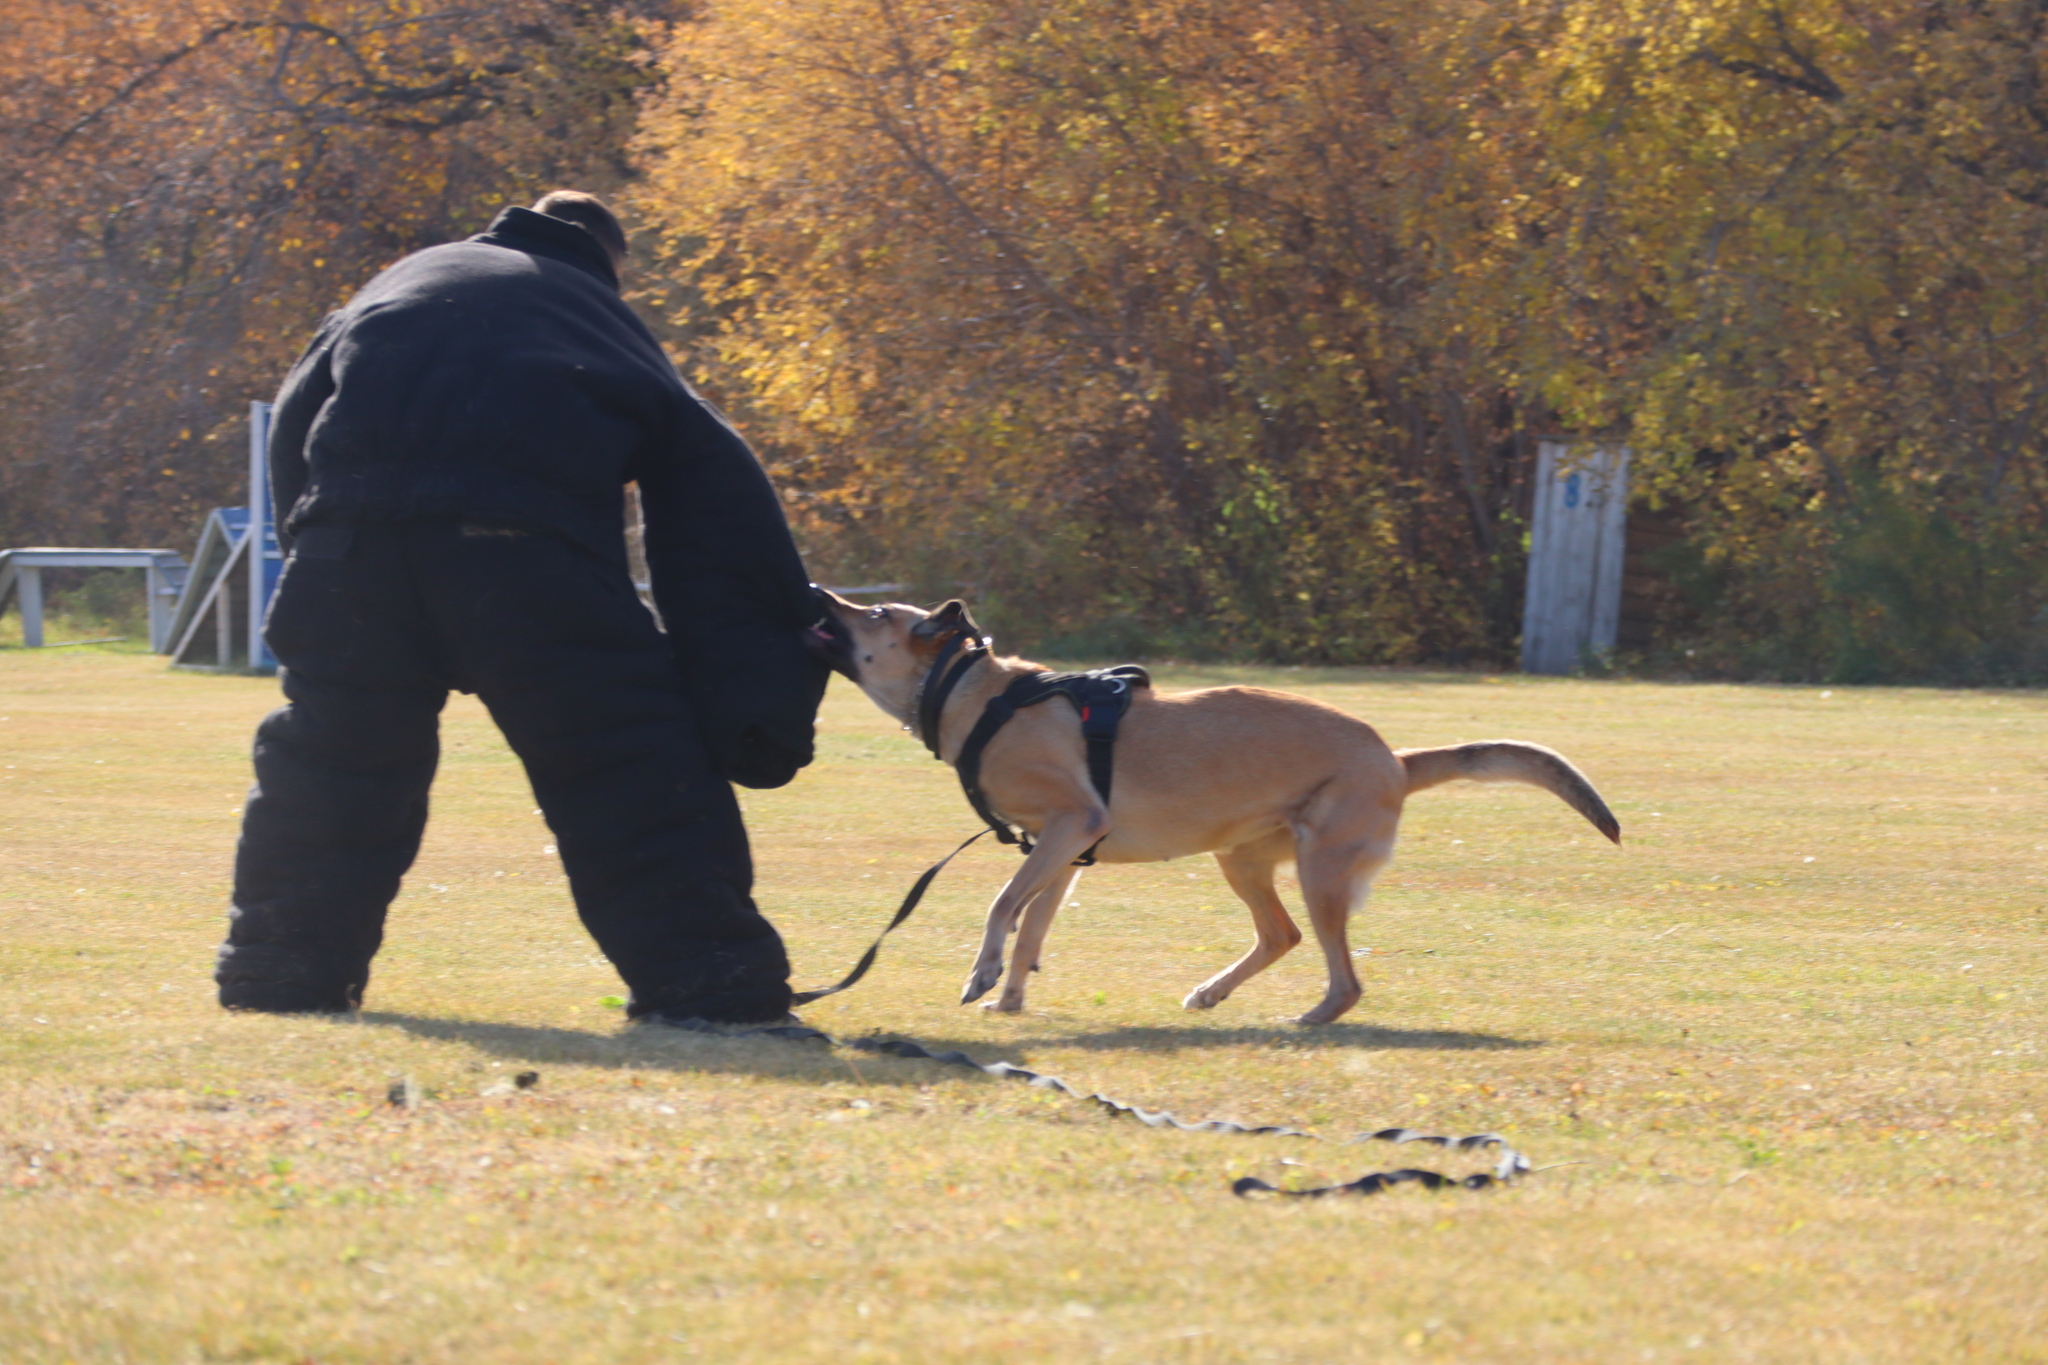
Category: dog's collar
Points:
column 939, row 682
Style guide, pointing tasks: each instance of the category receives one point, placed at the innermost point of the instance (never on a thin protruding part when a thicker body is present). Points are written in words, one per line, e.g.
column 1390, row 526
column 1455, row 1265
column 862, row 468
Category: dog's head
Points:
column 887, row 650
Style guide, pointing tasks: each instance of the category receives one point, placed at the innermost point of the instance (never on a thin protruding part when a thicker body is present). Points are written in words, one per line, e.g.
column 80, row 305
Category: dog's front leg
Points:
column 1064, row 838
column 1031, row 937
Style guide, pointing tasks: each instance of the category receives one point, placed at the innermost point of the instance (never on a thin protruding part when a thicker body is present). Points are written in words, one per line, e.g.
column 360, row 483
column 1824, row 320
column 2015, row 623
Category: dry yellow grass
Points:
column 1793, row 1030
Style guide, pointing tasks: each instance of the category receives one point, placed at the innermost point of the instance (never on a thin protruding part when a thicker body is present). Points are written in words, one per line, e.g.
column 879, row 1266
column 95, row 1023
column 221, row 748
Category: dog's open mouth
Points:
column 832, row 642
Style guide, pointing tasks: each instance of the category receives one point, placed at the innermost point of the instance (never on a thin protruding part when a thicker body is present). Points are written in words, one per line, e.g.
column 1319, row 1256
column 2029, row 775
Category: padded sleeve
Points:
column 734, row 597
column 306, row 391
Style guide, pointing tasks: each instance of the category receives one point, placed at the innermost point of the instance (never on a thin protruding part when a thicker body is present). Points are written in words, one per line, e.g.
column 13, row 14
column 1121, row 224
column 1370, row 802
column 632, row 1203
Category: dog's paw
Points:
column 1329, row 1012
column 1003, row 1005
column 981, row 983
column 1201, row 998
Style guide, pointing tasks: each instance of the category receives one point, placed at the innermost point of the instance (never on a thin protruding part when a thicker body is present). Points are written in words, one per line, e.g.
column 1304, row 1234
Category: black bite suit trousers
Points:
column 372, row 626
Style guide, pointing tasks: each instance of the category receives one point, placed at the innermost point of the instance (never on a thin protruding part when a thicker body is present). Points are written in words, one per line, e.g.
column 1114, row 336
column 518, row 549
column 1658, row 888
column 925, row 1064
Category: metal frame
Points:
column 21, row 575
column 183, row 601
column 234, row 571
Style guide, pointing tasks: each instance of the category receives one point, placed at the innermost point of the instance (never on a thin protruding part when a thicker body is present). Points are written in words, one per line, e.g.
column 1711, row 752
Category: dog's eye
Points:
column 878, row 613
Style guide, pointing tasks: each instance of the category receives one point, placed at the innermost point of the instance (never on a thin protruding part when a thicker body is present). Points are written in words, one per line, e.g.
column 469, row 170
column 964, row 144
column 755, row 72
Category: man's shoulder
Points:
column 469, row 297
column 453, row 264
column 474, row 282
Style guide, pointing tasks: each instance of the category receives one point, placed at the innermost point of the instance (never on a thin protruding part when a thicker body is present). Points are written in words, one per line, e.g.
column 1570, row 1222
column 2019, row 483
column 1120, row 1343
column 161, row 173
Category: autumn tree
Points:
column 1821, row 230
column 1240, row 320
column 1115, row 308
column 1168, row 325
column 186, row 187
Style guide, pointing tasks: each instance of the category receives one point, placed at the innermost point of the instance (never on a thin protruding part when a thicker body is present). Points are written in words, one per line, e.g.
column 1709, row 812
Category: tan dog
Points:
column 1259, row 778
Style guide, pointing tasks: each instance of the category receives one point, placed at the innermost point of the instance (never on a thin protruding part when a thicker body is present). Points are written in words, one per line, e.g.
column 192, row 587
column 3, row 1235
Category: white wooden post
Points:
column 1576, row 542
column 259, row 520
column 224, row 627
column 159, row 611
column 29, row 587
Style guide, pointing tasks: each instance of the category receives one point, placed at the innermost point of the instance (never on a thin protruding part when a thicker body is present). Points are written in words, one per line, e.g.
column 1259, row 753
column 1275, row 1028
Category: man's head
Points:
column 588, row 212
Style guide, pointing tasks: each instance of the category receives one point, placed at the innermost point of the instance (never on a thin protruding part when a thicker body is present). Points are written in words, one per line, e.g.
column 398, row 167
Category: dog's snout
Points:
column 828, row 637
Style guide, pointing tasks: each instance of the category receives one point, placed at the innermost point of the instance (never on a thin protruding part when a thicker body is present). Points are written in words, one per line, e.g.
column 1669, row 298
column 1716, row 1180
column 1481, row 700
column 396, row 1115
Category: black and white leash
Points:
column 1508, row 1163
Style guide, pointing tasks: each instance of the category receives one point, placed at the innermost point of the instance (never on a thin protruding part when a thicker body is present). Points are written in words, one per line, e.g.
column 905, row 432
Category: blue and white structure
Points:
column 218, row 624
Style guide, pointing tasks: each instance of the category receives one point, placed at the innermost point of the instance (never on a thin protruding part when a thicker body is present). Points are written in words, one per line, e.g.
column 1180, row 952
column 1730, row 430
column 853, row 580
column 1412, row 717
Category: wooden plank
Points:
column 217, row 540
column 212, row 610
column 159, row 616
column 1578, row 540
column 28, row 587
column 85, row 557
column 224, row 624
column 262, row 545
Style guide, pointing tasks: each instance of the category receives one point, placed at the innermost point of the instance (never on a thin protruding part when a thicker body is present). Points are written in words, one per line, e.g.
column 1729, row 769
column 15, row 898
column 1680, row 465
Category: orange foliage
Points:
column 1198, row 326
column 1235, row 319
column 187, row 186
column 1116, row 308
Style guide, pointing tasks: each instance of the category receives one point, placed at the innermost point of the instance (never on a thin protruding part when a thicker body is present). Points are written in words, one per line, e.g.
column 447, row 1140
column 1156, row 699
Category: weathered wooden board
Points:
column 1576, row 544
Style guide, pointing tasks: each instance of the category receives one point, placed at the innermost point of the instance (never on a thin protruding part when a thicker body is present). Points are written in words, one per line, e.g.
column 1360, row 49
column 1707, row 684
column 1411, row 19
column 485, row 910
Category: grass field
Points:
column 1794, row 1033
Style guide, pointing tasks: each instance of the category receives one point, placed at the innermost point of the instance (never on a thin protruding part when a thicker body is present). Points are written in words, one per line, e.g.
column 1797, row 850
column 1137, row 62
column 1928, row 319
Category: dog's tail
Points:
column 1508, row 760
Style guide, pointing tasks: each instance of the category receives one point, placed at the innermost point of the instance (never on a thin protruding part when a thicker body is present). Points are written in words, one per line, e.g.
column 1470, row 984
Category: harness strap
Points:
column 1100, row 697
column 994, row 717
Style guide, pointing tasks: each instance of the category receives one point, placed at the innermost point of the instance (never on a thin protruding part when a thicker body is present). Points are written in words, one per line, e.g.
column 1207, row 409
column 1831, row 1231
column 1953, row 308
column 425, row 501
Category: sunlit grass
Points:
column 1793, row 1031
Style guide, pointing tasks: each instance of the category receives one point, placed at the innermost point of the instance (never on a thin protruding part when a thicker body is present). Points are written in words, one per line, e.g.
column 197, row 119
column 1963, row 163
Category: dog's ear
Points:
column 945, row 619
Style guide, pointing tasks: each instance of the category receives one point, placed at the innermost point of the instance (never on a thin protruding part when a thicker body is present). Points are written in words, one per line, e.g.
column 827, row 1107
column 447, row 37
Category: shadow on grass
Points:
column 653, row 1048
column 647, row 1048
column 1285, row 1037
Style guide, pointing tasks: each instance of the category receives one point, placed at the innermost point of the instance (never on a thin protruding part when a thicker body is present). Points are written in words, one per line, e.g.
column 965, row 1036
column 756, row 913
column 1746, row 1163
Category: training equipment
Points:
column 218, row 623
column 21, row 575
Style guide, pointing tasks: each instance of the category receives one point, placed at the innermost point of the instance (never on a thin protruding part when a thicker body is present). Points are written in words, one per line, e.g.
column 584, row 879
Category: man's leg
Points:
column 342, row 772
column 586, row 690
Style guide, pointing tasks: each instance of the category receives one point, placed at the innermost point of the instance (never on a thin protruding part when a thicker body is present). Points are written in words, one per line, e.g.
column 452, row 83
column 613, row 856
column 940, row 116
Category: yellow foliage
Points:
column 1172, row 326
column 189, row 185
column 1240, row 319
column 1098, row 308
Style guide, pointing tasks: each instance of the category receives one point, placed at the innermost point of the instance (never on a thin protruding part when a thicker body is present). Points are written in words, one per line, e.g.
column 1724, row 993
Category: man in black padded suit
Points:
column 447, row 462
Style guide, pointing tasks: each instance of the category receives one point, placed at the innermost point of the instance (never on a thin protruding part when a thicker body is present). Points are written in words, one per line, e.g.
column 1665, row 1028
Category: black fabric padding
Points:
column 556, row 644
column 502, row 380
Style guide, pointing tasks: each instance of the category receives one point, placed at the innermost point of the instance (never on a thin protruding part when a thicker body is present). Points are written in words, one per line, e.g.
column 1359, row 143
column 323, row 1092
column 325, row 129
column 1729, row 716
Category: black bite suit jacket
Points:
column 502, row 380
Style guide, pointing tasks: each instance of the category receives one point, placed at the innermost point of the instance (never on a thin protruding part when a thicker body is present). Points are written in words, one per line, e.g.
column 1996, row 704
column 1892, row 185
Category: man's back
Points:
column 500, row 379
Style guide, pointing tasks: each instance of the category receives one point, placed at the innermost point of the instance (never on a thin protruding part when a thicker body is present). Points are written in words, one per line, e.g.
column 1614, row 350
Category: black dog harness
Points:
column 1100, row 697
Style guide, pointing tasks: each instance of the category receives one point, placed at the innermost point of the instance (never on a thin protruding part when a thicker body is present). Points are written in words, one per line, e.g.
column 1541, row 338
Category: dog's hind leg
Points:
column 1036, row 920
column 1336, row 872
column 1064, row 838
column 1249, row 870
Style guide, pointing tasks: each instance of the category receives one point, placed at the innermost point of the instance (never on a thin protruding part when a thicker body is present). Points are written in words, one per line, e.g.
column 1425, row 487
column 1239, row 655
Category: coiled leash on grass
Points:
column 1510, row 1164
column 1507, row 1166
